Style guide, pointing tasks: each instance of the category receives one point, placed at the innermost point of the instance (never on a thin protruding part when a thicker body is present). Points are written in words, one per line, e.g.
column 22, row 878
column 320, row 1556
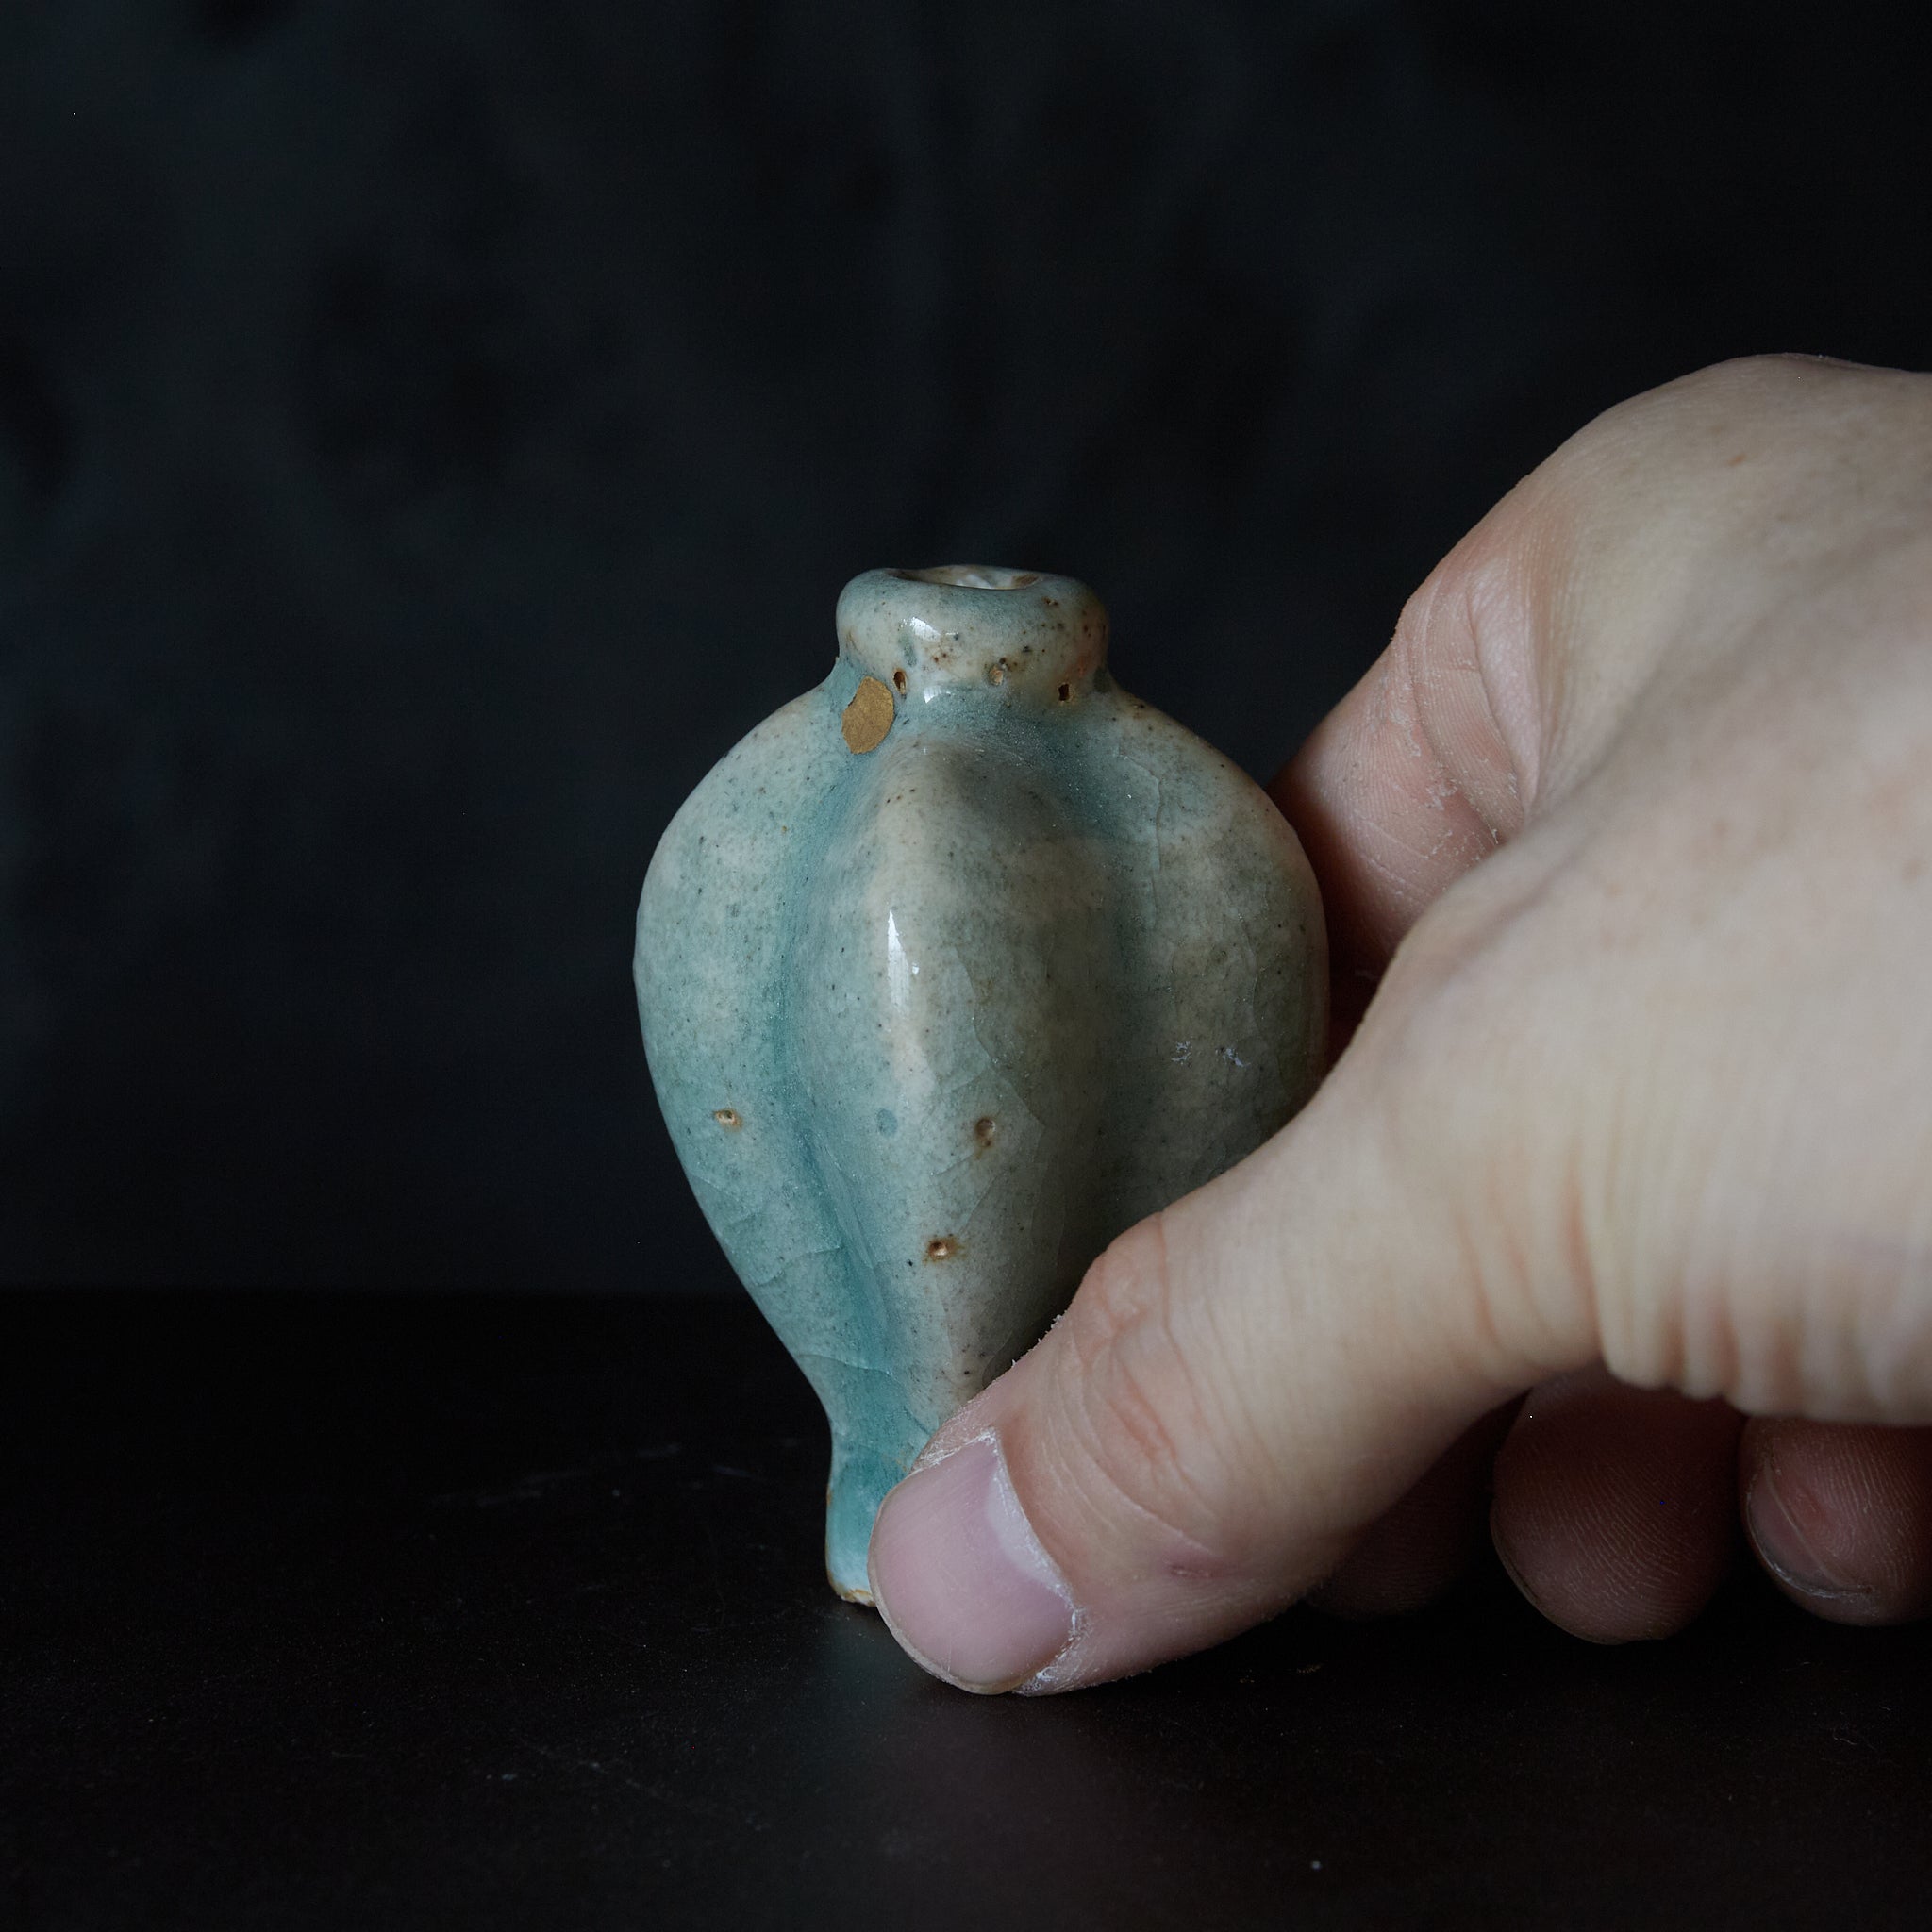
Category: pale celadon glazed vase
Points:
column 955, row 968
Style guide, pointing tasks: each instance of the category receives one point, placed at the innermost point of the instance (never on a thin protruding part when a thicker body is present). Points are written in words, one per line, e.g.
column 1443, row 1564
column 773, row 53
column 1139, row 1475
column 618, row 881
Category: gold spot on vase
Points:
column 868, row 717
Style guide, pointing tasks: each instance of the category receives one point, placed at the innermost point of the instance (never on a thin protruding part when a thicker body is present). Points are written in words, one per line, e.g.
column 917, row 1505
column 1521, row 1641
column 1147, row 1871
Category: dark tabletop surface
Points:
column 478, row 1611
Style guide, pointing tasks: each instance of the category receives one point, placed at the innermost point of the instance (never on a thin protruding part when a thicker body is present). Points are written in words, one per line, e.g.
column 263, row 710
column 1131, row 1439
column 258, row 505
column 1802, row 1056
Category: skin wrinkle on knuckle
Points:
column 1653, row 1142
column 1500, row 1264
column 1739, row 1321
column 1858, row 1322
column 1615, row 1205
column 1767, row 1266
column 1481, row 1048
column 1474, row 640
column 1771, row 1377
column 1517, row 660
column 1720, row 1290
column 1646, row 1179
column 1532, row 1268
column 1483, row 1297
column 1897, row 1338
column 1428, row 1068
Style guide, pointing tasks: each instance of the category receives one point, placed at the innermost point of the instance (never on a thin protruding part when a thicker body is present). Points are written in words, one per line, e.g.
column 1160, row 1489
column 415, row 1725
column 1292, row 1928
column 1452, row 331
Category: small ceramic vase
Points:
column 955, row 968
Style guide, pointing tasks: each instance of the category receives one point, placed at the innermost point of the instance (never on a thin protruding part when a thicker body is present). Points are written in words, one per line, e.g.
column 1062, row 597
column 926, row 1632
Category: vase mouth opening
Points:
column 1034, row 637
column 970, row 576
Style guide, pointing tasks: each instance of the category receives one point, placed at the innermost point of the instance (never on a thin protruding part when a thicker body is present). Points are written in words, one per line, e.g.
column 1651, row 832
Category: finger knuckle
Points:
column 1492, row 1103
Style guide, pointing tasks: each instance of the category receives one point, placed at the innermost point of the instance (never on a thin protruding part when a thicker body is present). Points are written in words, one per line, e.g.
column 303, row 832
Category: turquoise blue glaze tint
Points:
column 955, row 968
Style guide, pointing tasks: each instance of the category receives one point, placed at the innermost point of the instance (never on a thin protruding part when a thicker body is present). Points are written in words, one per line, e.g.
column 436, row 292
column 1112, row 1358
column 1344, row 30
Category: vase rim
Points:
column 1031, row 635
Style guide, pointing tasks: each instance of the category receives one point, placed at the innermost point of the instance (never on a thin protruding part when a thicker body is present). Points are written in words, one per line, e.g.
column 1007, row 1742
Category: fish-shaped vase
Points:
column 953, row 969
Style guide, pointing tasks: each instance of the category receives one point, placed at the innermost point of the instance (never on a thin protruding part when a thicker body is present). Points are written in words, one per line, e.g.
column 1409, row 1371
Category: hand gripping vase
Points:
column 955, row 968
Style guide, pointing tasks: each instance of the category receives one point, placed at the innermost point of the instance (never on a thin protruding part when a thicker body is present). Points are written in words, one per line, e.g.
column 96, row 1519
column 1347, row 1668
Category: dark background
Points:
column 431, row 431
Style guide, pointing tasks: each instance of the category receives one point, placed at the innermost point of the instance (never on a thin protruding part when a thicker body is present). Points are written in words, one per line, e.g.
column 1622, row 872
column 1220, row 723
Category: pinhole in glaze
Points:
column 955, row 968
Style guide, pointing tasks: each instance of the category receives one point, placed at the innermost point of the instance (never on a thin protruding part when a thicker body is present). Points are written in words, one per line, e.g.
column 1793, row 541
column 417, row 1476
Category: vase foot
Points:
column 861, row 1476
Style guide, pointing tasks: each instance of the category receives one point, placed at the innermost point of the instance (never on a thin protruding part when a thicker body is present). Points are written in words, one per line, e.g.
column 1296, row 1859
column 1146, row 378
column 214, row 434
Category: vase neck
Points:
column 1038, row 637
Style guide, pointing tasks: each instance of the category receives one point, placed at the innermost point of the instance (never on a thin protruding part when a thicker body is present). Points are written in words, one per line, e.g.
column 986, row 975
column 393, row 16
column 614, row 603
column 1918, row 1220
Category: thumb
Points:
column 1242, row 1385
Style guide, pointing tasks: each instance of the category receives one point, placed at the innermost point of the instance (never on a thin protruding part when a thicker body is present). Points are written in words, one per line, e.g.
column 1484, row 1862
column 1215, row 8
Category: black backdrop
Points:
column 432, row 431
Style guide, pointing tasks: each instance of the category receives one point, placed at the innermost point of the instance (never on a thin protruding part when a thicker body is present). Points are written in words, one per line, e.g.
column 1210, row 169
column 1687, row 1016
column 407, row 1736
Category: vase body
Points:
column 955, row 968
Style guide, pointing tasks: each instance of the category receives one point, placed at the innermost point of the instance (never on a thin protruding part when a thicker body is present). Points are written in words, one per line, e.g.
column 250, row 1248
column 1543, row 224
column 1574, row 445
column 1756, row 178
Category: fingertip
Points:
column 1840, row 1515
column 1613, row 1508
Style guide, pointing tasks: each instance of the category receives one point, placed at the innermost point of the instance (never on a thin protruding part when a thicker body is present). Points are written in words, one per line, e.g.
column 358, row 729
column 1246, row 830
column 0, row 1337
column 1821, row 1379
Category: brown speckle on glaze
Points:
column 942, row 1247
column 985, row 1131
column 729, row 1119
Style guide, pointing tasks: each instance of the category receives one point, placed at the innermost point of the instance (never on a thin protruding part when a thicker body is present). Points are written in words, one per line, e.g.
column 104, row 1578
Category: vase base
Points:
column 861, row 1477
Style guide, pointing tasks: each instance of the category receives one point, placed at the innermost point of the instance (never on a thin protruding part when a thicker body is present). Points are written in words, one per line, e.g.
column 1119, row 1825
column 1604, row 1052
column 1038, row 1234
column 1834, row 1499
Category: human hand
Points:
column 1639, row 1118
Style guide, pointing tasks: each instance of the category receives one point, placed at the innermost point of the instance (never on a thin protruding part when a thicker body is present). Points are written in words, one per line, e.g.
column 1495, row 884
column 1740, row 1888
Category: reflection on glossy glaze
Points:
column 955, row 967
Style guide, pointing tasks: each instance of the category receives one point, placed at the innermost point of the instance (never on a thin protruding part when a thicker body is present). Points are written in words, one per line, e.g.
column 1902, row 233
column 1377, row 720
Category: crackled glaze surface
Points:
column 955, row 968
